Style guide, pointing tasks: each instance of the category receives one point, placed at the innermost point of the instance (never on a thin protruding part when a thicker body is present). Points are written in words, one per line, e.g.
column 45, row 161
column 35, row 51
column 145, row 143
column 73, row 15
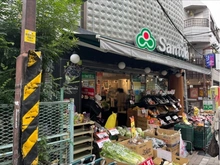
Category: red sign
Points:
column 148, row 162
column 88, row 91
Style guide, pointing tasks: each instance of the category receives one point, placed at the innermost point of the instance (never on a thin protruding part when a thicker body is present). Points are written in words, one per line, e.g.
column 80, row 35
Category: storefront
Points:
column 145, row 67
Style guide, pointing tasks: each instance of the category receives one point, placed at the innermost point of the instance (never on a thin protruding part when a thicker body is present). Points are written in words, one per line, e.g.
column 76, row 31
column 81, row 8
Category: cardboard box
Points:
column 166, row 155
column 180, row 160
column 136, row 113
column 174, row 149
column 176, row 159
column 144, row 149
column 141, row 122
column 122, row 138
column 170, row 137
column 155, row 152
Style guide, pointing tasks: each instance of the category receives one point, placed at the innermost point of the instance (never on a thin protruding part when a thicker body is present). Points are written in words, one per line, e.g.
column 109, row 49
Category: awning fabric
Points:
column 124, row 49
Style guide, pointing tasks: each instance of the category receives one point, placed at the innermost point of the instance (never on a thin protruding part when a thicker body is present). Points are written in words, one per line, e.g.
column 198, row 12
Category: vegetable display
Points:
column 121, row 154
column 126, row 132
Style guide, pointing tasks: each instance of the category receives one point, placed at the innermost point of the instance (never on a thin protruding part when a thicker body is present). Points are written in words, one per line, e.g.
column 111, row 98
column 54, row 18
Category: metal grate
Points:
column 54, row 140
column 6, row 132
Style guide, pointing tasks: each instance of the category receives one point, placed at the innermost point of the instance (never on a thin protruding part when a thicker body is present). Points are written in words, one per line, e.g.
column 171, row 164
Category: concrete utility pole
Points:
column 28, row 39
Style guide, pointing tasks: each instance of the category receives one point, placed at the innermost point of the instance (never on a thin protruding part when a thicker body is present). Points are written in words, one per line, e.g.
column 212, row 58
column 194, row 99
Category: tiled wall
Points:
column 122, row 19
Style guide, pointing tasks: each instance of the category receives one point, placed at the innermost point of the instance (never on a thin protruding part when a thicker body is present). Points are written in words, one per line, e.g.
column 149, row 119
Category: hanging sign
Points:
column 210, row 60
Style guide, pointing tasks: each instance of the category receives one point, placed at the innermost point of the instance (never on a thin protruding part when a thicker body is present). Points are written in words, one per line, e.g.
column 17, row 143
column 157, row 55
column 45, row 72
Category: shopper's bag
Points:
column 213, row 148
column 111, row 122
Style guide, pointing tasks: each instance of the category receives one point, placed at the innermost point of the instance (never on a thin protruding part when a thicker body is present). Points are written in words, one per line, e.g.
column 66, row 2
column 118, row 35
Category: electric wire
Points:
column 164, row 11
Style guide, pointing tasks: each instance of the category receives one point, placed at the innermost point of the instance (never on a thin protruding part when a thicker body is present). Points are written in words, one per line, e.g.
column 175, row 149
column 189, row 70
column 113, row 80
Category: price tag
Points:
column 132, row 127
column 102, row 135
column 143, row 111
column 175, row 117
column 102, row 141
column 148, row 162
column 113, row 131
column 168, row 118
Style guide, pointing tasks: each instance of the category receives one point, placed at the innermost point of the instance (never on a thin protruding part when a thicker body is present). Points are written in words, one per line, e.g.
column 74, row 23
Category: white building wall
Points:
column 123, row 19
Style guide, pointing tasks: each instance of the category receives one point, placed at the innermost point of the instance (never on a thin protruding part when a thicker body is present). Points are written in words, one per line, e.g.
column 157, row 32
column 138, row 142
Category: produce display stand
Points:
column 83, row 139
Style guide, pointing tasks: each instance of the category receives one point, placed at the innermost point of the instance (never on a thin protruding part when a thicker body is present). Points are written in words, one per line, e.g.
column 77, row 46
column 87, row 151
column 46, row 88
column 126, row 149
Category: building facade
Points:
column 201, row 31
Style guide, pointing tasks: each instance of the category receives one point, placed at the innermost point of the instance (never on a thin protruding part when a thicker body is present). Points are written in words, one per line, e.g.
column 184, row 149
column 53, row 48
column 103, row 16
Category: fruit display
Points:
column 185, row 119
column 153, row 112
column 162, row 100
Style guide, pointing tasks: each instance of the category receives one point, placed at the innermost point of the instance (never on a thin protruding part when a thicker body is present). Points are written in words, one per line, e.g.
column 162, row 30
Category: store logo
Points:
column 145, row 40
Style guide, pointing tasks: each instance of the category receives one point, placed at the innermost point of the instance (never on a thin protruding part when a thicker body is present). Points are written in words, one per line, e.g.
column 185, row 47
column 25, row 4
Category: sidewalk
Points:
column 199, row 158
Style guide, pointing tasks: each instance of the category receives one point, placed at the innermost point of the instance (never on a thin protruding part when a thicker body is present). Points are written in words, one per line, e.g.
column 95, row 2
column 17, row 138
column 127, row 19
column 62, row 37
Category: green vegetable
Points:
column 139, row 130
column 120, row 153
column 128, row 134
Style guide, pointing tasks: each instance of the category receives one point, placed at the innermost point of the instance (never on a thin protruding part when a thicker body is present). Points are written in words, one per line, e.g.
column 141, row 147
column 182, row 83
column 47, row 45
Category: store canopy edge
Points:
column 109, row 45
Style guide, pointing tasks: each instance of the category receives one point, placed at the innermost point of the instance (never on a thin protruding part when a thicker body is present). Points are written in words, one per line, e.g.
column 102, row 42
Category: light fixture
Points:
column 74, row 58
column 147, row 70
column 164, row 72
column 121, row 65
column 178, row 75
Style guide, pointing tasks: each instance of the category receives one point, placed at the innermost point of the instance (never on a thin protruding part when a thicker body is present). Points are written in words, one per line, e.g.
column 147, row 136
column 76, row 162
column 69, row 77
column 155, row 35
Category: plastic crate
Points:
column 202, row 142
column 187, row 133
column 200, row 132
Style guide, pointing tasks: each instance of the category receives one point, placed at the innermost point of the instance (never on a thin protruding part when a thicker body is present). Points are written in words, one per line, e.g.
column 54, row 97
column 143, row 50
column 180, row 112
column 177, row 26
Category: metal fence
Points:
column 54, row 142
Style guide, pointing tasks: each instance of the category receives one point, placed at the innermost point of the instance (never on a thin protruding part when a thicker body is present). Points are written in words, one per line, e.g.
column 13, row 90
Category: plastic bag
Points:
column 111, row 122
column 182, row 152
column 213, row 148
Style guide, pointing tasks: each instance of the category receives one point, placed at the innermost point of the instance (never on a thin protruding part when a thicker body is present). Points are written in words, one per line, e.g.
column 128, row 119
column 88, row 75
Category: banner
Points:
column 210, row 60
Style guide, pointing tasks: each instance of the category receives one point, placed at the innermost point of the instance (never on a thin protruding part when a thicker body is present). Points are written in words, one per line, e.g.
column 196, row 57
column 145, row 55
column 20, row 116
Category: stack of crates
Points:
column 187, row 132
column 202, row 136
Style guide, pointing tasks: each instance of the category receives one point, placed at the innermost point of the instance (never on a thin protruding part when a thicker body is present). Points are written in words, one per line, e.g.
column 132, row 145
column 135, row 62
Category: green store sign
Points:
column 88, row 75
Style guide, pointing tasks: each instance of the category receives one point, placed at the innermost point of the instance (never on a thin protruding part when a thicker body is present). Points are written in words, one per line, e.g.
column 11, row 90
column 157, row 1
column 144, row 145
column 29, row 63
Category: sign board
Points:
column 207, row 105
column 29, row 36
column 145, row 40
column 88, row 91
column 210, row 60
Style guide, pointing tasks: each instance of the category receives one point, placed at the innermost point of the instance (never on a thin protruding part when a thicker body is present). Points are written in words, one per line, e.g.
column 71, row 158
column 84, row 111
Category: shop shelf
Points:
column 81, row 155
column 82, row 124
column 82, row 139
column 82, row 131
column 81, row 148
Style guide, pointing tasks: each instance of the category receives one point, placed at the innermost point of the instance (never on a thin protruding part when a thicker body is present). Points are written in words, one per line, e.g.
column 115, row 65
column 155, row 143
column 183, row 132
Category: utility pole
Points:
column 28, row 39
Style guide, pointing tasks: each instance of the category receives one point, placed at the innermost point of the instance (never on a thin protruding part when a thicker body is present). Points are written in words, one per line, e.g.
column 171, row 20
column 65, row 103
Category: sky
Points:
column 214, row 7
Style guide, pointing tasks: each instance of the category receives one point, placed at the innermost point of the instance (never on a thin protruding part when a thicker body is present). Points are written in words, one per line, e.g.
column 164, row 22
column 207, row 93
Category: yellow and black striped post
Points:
column 30, row 109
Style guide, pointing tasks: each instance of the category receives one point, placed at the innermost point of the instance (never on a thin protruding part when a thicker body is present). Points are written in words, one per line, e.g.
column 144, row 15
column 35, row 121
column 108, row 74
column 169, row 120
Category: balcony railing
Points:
column 199, row 22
